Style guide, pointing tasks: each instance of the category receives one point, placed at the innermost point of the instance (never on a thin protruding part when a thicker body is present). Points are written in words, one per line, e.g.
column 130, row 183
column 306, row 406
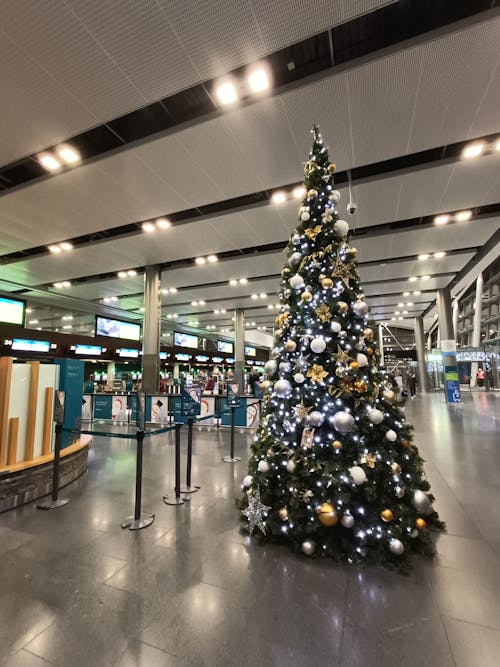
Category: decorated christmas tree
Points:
column 333, row 471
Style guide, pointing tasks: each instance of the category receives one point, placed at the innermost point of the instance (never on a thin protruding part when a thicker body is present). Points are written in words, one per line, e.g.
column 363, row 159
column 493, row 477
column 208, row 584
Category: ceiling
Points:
column 390, row 117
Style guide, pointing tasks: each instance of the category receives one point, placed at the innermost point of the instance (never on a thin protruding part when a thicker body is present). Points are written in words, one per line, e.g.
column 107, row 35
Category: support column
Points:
column 381, row 344
column 476, row 331
column 455, row 318
column 239, row 348
column 423, row 379
column 429, row 342
column 151, row 330
column 448, row 346
column 110, row 372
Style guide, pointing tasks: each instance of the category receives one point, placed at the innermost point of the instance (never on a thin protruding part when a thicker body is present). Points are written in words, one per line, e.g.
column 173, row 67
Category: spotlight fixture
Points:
column 423, row 256
column 148, row 227
column 67, row 317
column 400, row 305
column 255, row 296
column 201, row 303
column 200, row 260
column 66, row 283
column 413, row 279
column 425, row 278
column 66, row 245
column 163, row 223
column 441, row 219
column 55, row 249
column 226, row 93
column 131, row 273
column 173, row 290
column 406, row 293
column 233, row 282
column 243, row 281
column 49, row 162
column 33, row 322
column 223, row 310
column 258, row 79
column 438, row 255
column 417, row 293
column 497, row 145
column 409, row 303
column 67, row 326
column 299, row 192
column 463, row 216
column 212, row 258
column 68, row 154
column 473, row 150
column 194, row 303
column 122, row 274
column 278, row 197
column 141, row 310
column 263, row 296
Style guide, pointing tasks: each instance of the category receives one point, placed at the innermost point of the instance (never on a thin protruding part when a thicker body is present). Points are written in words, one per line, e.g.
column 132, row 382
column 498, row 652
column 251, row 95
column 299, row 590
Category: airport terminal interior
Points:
column 249, row 333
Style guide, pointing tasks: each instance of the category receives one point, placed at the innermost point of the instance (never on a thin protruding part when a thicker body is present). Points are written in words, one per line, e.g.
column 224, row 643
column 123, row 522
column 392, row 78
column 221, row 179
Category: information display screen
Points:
column 250, row 351
column 224, row 346
column 201, row 357
column 129, row 353
column 163, row 355
column 22, row 345
column 90, row 350
column 182, row 357
column 185, row 340
column 117, row 328
column 11, row 311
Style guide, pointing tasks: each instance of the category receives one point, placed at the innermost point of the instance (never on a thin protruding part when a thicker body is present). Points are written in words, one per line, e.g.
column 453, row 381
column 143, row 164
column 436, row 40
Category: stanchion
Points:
column 175, row 497
column 138, row 520
column 189, row 488
column 55, row 501
column 232, row 458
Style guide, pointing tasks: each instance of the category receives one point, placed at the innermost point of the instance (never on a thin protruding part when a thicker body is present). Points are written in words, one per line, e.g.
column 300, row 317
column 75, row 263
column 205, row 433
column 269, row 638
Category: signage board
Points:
column 59, row 398
column 12, row 311
column 452, row 384
column 233, row 395
column 191, row 402
column 117, row 328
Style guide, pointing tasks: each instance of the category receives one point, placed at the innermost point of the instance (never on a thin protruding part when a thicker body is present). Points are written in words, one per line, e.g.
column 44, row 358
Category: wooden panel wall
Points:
column 5, row 378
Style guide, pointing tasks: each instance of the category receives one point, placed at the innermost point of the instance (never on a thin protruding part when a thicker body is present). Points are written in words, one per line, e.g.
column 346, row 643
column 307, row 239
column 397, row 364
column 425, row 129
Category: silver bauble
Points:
column 287, row 293
column 294, row 258
column 305, row 216
column 390, row 435
column 318, row 345
column 299, row 378
column 296, row 281
column 347, row 521
column 342, row 334
column 247, row 481
column 263, row 466
column 296, row 239
column 282, row 388
column 285, row 367
column 360, row 308
column 399, row 492
column 315, row 418
column 362, row 360
column 358, row 475
column 343, row 422
column 376, row 416
column 421, row 502
column 414, row 533
column 341, row 228
column 334, row 196
column 308, row 547
column 335, row 327
column 270, row 367
column 396, row 546
column 290, row 465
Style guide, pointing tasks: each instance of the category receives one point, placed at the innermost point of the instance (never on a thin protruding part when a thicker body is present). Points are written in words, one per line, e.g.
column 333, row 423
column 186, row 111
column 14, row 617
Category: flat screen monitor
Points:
column 250, row 351
column 201, row 357
column 88, row 350
column 217, row 360
column 230, row 361
column 182, row 357
column 12, row 311
column 22, row 345
column 117, row 328
column 129, row 353
column 185, row 340
column 224, row 346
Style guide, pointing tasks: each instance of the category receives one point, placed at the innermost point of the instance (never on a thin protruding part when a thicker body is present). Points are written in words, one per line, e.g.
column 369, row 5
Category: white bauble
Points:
column 341, row 228
column 396, row 546
column 296, row 281
column 287, row 293
column 247, row 481
column 296, row 239
column 315, row 418
column 308, row 547
column 294, row 258
column 343, row 421
column 414, row 533
column 282, row 388
column 347, row 521
column 334, row 196
column 270, row 367
column 318, row 345
column 376, row 416
column 360, row 308
column 285, row 367
column 391, row 435
column 263, row 466
column 362, row 359
column 305, row 216
column 299, row 378
column 290, row 465
column 335, row 327
column 358, row 475
column 421, row 502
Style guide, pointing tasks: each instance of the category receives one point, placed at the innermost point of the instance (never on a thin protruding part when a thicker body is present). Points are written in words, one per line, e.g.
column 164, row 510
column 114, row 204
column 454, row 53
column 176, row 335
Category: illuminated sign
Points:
column 185, row 340
column 30, row 345
column 117, row 328
column 250, row 351
column 224, row 346
column 129, row 353
column 11, row 311
column 90, row 350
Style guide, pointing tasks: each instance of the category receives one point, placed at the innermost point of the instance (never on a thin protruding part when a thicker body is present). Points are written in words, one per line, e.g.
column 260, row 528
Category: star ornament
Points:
column 323, row 313
column 345, row 272
column 317, row 373
column 312, row 233
column 255, row 512
column 301, row 411
column 343, row 357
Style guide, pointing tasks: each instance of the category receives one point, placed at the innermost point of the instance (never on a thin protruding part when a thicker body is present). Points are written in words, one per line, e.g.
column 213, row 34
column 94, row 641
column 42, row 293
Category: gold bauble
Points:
column 354, row 365
column 352, row 252
column 368, row 333
column 332, row 167
column 360, row 386
column 327, row 283
column 336, row 444
column 283, row 513
column 265, row 384
column 290, row 345
column 421, row 523
column 285, row 272
column 396, row 468
column 405, row 443
column 369, row 351
column 312, row 193
column 306, row 296
column 343, row 306
column 327, row 515
column 390, row 396
column 386, row 515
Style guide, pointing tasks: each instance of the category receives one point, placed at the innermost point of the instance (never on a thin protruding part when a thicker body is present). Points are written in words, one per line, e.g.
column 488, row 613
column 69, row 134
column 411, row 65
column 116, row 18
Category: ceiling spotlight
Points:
column 216, row 311
column 233, row 282
column 462, row 216
column 278, row 197
column 200, row 260
column 299, row 192
column 396, row 312
column 258, row 80
column 223, row 310
column 473, row 150
column 54, row 248
column 163, row 223
column 173, row 290
column 148, row 227
column 405, row 312
column 58, row 285
column 33, row 322
column 66, row 245
column 67, row 317
column 49, row 162
column 164, row 290
column 68, row 154
column 201, row 303
column 400, row 318
column 67, row 326
column 425, row 278
column 66, row 283
column 413, row 279
column 406, row 293
column 270, row 306
column 417, row 293
column 194, row 303
column 441, row 219
column 131, row 273
column 400, row 305
column 212, row 258
column 263, row 296
column 243, row 281
column 122, row 274
column 438, row 255
column 252, row 324
column 255, row 296
column 226, row 93
column 141, row 310
column 114, row 298
column 423, row 256
column 410, row 303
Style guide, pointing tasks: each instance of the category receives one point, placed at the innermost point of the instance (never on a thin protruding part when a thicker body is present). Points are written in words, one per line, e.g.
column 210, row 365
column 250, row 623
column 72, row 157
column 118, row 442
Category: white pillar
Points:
column 239, row 348
column 423, row 379
column 455, row 318
column 110, row 372
column 381, row 344
column 151, row 330
column 476, row 331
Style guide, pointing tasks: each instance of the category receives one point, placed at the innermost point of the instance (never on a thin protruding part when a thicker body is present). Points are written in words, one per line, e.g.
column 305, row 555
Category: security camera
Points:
column 352, row 208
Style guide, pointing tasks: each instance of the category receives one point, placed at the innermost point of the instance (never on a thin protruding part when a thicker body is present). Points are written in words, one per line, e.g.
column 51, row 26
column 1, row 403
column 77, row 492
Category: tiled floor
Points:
column 76, row 590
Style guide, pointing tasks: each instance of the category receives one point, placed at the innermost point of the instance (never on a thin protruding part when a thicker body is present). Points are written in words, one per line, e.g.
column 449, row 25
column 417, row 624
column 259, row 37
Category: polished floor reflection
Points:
column 76, row 590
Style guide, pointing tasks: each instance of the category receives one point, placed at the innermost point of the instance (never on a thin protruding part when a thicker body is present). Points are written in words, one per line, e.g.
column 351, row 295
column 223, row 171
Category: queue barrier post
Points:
column 232, row 458
column 189, row 488
column 175, row 498
column 55, row 502
column 138, row 520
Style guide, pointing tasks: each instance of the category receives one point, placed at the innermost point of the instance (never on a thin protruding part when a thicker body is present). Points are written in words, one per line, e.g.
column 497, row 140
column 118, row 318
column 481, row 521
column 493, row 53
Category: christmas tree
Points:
column 333, row 471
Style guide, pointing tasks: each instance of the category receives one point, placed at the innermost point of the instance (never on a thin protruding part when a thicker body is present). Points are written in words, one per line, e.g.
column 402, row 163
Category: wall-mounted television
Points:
column 224, row 346
column 185, row 340
column 88, row 350
column 230, row 361
column 182, row 357
column 22, row 345
column 117, row 328
column 163, row 355
column 201, row 357
column 250, row 351
column 217, row 360
column 12, row 311
column 129, row 353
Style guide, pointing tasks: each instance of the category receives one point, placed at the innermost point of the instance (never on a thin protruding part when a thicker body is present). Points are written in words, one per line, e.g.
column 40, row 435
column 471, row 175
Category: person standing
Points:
column 412, row 383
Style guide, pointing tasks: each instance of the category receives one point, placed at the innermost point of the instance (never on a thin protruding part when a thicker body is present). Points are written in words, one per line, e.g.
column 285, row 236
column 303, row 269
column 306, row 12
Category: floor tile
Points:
column 473, row 645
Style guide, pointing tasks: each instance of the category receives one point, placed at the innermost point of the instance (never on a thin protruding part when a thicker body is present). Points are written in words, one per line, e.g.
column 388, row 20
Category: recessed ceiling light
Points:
column 270, row 306
column 148, row 227
column 226, row 93
column 400, row 318
column 473, row 150
column 438, row 255
column 173, row 290
column 54, row 248
column 405, row 312
column 423, row 256
column 462, row 216
column 425, row 278
column 67, row 317
column 58, row 285
column 216, row 311
column 393, row 318
column 396, row 312
column 299, row 192
column 223, row 310
column 68, row 154
column 416, row 293
column 233, row 282
column 29, row 310
column 141, row 310
column 169, row 316
column 67, row 326
column 412, row 279
column 163, row 223
column 122, row 274
column 406, row 293
column 66, row 245
column 258, row 79
column 255, row 296
column 49, row 162
column 243, row 281
column 400, row 305
column 278, row 197
column 200, row 260
column 194, row 303
column 114, row 298
column 497, row 145
column 212, row 258
column 441, row 219
column 164, row 290
column 131, row 273
column 252, row 324
column 33, row 322
column 66, row 283
column 410, row 303
column 263, row 296
column 201, row 303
